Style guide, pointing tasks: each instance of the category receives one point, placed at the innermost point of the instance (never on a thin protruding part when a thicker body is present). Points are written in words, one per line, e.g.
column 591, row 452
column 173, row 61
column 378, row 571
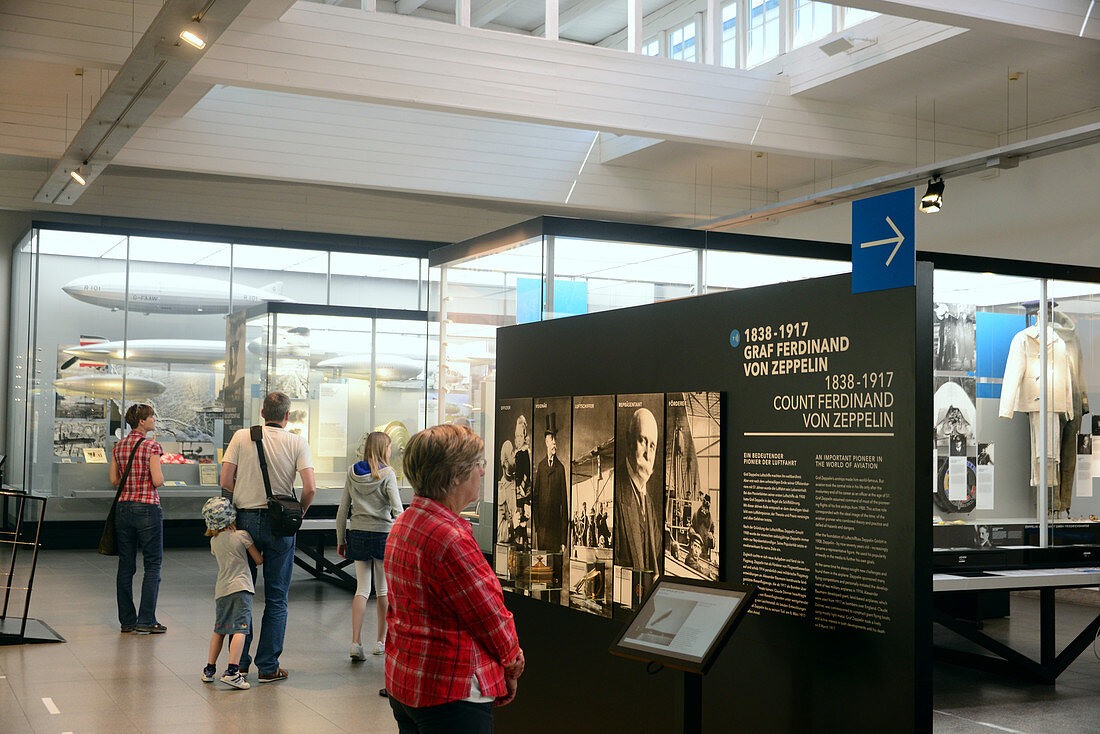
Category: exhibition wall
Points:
column 823, row 492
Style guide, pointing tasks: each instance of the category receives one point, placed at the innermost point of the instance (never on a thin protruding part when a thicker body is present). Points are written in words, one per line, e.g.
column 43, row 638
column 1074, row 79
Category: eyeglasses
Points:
column 481, row 463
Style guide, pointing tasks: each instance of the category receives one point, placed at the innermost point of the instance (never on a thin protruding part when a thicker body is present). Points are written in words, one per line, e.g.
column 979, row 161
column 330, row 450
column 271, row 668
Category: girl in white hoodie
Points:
column 370, row 492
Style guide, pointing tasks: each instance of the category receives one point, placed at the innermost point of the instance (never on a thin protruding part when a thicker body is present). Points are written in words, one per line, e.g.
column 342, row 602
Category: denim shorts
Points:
column 233, row 613
column 365, row 545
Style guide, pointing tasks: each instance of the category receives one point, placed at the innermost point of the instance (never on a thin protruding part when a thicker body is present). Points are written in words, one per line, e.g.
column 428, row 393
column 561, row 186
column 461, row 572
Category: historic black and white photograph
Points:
column 592, row 498
column 71, row 437
column 639, row 484
column 551, row 446
column 665, row 620
column 692, row 484
column 954, row 339
column 77, row 407
column 512, row 479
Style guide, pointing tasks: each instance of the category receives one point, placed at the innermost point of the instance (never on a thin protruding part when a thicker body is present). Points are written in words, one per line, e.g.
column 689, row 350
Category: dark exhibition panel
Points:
column 822, row 392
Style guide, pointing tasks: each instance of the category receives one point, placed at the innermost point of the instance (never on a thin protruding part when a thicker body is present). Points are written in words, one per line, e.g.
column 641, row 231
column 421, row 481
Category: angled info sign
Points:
column 884, row 253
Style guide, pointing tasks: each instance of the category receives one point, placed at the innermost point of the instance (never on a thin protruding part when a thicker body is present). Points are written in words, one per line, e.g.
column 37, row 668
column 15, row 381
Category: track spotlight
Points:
column 78, row 175
column 190, row 34
column 932, row 201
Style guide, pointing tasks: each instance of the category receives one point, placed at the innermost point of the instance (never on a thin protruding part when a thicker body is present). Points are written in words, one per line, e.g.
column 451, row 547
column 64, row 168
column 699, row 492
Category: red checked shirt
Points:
column 447, row 620
column 139, row 485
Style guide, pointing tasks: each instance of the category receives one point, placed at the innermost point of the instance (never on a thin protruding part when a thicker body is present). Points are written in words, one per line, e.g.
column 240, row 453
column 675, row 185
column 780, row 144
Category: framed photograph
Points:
column 693, row 475
column 512, row 480
column 592, row 499
column 639, row 487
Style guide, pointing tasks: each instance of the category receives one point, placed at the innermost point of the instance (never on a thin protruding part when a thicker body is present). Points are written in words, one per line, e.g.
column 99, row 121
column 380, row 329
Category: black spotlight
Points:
column 932, row 201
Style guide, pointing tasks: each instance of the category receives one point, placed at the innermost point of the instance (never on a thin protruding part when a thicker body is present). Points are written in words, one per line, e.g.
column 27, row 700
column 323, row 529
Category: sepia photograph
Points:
column 639, row 484
column 512, row 479
column 551, row 441
column 592, row 491
column 954, row 341
column 71, row 437
column 692, row 484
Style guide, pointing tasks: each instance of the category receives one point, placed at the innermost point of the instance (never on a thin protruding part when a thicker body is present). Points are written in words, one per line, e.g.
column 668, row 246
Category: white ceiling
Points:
column 490, row 126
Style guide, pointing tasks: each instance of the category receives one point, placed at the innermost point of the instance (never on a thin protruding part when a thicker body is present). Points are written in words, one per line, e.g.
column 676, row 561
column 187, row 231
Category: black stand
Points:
column 693, row 703
column 23, row 630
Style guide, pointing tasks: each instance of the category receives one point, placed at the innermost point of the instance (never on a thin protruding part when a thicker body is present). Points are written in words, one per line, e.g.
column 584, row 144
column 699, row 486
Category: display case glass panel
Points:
column 730, row 270
column 101, row 321
column 1013, row 463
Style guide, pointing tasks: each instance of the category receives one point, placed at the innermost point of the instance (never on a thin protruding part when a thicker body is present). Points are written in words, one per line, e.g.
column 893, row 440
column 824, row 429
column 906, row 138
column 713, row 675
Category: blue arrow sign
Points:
column 884, row 253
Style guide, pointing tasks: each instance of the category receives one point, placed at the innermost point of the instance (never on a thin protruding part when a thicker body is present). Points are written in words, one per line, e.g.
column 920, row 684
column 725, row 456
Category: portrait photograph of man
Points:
column 639, row 489
column 551, row 438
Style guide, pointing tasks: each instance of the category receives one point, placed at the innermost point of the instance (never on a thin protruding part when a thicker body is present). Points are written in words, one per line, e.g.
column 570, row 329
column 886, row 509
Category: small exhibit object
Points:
column 175, row 483
column 684, row 623
column 95, row 456
column 208, row 475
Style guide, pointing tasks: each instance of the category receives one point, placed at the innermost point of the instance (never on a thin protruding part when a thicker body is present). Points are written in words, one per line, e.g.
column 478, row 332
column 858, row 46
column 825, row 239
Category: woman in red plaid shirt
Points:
column 452, row 650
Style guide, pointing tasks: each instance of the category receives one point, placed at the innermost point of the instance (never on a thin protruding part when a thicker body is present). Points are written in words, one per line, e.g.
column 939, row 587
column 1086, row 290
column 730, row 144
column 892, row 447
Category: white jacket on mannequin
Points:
column 1020, row 388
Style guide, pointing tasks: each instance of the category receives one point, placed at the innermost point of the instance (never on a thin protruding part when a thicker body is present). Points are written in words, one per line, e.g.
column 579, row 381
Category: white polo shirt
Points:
column 287, row 454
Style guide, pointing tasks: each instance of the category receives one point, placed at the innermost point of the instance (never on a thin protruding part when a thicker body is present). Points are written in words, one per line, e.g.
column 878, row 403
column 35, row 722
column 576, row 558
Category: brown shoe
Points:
column 279, row 674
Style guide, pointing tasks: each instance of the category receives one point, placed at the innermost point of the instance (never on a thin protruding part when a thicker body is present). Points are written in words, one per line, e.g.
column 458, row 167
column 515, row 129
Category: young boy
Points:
column 233, row 590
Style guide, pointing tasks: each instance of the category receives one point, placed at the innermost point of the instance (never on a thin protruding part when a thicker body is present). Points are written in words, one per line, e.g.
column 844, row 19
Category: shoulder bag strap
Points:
column 126, row 473
column 258, row 438
column 257, row 433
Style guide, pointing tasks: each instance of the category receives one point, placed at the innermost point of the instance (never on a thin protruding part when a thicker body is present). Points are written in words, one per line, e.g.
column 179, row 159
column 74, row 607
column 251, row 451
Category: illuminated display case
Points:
column 348, row 371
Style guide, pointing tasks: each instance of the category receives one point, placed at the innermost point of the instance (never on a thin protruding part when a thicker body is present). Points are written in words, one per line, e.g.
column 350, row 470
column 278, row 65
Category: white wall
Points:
column 1046, row 210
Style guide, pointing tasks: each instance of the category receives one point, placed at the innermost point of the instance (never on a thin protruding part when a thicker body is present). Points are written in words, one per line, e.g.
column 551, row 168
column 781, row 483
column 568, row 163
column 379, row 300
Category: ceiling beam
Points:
column 492, row 10
column 575, row 13
column 158, row 63
column 1049, row 20
column 1005, row 156
column 404, row 7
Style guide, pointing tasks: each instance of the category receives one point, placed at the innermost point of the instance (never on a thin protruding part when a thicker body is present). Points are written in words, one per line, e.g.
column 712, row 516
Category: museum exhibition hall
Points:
column 779, row 321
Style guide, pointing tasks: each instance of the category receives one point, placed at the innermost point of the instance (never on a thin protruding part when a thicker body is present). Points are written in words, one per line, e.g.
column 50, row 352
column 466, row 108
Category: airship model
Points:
column 109, row 387
column 174, row 294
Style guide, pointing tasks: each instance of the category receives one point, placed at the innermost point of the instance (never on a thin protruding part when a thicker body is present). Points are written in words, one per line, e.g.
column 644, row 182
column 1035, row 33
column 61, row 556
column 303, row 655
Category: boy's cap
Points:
column 218, row 512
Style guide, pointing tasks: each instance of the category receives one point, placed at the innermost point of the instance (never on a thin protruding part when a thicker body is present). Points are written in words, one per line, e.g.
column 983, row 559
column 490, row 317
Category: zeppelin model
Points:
column 154, row 351
column 175, row 294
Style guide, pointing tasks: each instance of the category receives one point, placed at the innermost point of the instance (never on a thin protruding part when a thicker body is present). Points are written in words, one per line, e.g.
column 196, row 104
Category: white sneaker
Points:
column 236, row 680
column 356, row 652
column 379, row 648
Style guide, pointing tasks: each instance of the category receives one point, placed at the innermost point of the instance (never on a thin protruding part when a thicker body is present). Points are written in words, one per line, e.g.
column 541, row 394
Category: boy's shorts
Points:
column 233, row 613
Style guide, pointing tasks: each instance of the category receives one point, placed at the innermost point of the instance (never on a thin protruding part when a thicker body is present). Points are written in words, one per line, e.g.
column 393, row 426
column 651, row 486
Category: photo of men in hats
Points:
column 551, row 431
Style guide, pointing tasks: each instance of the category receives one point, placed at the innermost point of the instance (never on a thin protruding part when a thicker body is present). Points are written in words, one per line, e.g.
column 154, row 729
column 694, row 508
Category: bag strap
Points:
column 257, row 433
column 126, row 473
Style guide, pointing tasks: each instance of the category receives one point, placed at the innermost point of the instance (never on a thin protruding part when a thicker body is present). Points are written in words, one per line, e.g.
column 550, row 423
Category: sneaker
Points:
column 154, row 629
column 278, row 675
column 127, row 629
column 236, row 680
column 379, row 648
column 208, row 674
column 356, row 652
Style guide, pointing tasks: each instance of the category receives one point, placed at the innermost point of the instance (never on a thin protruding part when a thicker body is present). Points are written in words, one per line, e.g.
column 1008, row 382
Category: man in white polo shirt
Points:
column 286, row 453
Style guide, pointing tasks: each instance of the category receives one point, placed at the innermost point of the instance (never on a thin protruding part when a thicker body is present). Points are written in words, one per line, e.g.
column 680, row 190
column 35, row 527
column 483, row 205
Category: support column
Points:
column 462, row 13
column 551, row 20
column 712, row 36
column 634, row 26
column 371, row 5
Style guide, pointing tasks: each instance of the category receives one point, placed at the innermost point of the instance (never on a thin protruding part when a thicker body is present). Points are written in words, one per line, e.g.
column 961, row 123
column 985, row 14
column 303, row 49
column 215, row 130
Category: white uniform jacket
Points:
column 1020, row 388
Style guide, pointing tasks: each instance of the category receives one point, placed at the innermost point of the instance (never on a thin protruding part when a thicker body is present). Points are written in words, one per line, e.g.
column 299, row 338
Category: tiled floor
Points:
column 101, row 681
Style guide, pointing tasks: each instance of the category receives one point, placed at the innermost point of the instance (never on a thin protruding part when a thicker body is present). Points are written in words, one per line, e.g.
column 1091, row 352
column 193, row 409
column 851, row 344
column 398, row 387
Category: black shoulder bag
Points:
column 108, row 540
column 285, row 513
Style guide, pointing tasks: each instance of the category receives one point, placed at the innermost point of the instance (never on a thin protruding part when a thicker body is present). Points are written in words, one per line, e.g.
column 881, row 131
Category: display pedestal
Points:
column 693, row 703
column 13, row 632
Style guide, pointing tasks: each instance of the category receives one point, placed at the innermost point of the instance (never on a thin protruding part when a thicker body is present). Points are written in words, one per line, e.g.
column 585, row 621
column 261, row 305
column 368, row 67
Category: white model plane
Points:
column 154, row 351
column 176, row 294
column 108, row 387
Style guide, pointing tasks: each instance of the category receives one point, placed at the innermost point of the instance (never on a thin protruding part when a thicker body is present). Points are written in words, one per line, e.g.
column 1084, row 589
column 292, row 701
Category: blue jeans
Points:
column 278, row 564
column 138, row 525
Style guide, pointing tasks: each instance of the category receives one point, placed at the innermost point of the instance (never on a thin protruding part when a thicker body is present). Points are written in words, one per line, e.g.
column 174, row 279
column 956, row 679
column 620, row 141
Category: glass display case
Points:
column 348, row 371
column 100, row 321
column 1014, row 467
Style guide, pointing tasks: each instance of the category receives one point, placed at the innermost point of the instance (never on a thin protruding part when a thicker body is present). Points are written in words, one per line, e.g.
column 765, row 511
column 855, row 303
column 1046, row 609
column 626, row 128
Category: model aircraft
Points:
column 388, row 367
column 176, row 294
column 108, row 387
column 154, row 351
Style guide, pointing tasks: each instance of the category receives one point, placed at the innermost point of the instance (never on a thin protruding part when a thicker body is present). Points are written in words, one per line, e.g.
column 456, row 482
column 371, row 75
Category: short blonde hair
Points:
column 436, row 456
column 211, row 532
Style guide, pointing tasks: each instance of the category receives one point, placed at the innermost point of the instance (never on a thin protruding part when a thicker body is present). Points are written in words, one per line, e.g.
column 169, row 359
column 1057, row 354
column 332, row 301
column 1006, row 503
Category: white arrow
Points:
column 895, row 241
